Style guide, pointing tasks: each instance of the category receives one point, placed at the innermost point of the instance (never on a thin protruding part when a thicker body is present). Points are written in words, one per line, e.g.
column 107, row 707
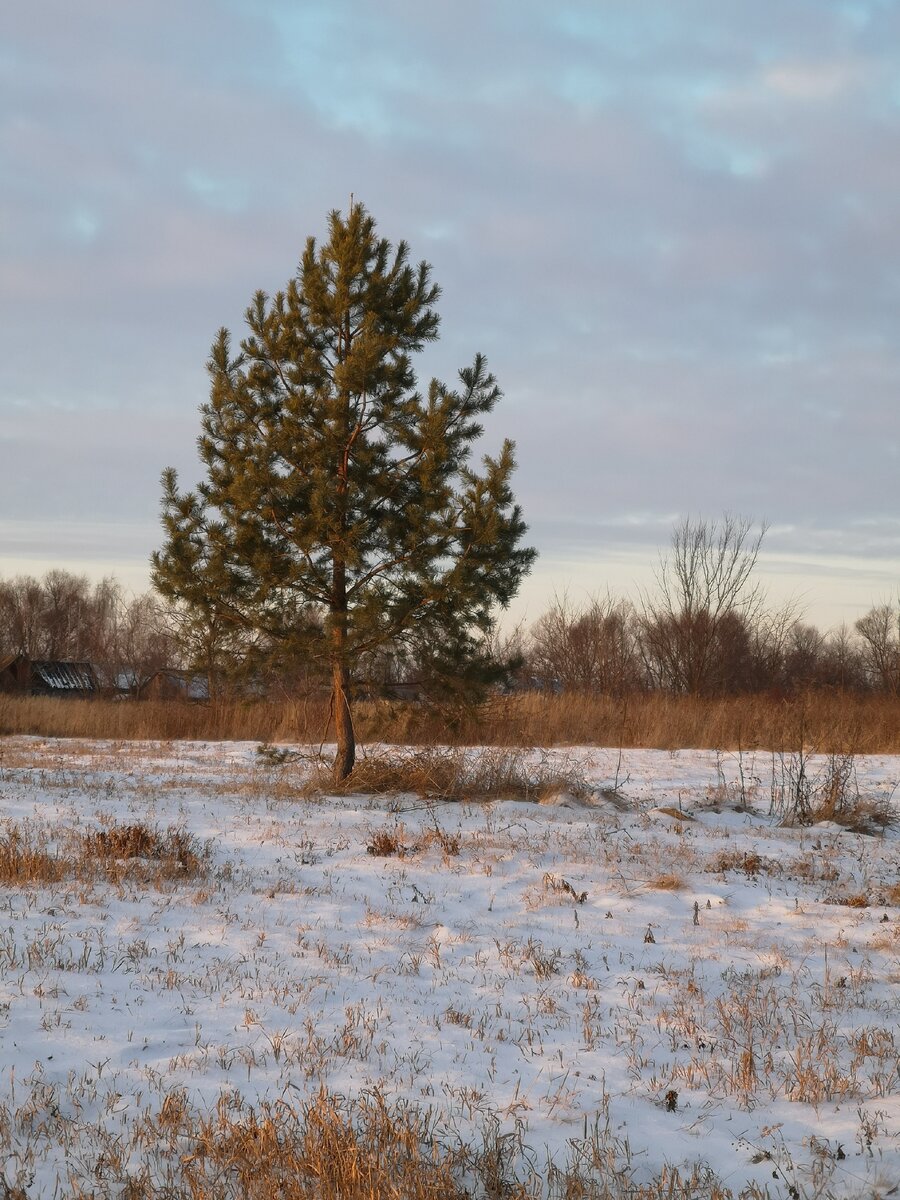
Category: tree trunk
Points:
column 345, row 756
column 340, row 676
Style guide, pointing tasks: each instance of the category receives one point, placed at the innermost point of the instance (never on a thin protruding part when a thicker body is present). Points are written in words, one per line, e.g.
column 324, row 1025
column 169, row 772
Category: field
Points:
column 636, row 977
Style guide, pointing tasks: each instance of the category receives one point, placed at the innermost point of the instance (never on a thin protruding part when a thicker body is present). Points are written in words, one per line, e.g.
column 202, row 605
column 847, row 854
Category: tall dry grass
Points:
column 368, row 1149
column 823, row 721
column 826, row 722
column 136, row 853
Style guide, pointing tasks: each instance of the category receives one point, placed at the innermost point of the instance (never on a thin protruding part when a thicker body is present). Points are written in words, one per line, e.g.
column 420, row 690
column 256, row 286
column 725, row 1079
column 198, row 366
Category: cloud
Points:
column 812, row 82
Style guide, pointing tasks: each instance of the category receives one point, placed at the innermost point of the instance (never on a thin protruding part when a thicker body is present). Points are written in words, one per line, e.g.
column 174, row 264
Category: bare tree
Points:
column 589, row 649
column 144, row 641
column 843, row 662
column 705, row 606
column 21, row 608
column 64, row 616
column 880, row 633
column 770, row 634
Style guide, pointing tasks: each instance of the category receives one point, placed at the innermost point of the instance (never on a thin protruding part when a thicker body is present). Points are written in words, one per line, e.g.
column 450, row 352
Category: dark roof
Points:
column 63, row 676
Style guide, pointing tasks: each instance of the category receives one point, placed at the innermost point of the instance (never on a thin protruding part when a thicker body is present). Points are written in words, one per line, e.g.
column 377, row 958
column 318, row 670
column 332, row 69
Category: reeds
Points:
column 825, row 722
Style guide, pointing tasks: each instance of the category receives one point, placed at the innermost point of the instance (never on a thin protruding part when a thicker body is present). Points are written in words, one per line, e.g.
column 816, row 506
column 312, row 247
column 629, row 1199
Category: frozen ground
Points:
column 724, row 992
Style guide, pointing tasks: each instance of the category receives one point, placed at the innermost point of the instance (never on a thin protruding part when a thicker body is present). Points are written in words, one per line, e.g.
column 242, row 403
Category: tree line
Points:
column 65, row 617
column 705, row 629
column 701, row 631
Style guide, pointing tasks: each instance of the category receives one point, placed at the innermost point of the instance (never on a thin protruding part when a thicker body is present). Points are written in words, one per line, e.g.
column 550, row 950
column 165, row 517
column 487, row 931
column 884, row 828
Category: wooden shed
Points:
column 46, row 677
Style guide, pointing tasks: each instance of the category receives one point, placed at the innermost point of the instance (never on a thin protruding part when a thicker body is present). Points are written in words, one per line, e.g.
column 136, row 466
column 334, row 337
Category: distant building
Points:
column 117, row 681
column 45, row 677
column 171, row 684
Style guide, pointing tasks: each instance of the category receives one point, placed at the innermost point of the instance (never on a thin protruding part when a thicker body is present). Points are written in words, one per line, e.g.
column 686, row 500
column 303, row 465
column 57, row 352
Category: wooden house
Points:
column 45, row 677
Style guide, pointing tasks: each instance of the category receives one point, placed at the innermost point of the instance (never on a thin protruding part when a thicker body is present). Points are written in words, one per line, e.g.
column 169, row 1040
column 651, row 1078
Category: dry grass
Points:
column 867, row 815
column 332, row 1149
column 676, row 814
column 721, row 1018
column 803, row 795
column 387, row 843
column 454, row 775
column 25, row 858
column 325, row 1151
column 172, row 853
column 829, row 722
column 119, row 853
column 668, row 883
column 163, row 720
column 747, row 861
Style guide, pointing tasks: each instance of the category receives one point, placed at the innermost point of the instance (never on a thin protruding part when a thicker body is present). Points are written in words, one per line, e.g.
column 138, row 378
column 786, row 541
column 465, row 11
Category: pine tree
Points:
column 339, row 509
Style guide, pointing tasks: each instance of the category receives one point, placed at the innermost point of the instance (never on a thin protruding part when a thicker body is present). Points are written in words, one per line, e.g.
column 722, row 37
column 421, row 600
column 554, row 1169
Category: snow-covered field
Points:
column 718, row 990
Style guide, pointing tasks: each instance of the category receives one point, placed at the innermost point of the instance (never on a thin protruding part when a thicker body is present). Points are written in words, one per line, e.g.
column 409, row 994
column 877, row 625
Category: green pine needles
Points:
column 340, row 511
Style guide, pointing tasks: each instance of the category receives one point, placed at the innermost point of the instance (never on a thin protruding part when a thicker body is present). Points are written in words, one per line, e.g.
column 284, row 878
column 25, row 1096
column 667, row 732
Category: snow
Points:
column 713, row 998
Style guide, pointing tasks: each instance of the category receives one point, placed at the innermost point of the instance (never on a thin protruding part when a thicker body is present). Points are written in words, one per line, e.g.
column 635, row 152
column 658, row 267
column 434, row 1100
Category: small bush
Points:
column 871, row 816
column 802, row 796
column 174, row 851
column 454, row 775
column 386, row 843
column 118, row 853
column 275, row 756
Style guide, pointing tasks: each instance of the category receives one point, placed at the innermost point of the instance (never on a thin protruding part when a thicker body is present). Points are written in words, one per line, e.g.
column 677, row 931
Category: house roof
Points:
column 63, row 676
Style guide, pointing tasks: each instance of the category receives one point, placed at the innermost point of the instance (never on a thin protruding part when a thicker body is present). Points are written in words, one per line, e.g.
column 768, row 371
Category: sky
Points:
column 672, row 229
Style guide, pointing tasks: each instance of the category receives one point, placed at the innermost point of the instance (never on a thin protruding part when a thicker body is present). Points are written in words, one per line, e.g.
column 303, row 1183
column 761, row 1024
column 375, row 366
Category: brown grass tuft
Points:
column 667, row 883
column 24, row 858
column 864, row 815
column 119, row 853
column 855, row 900
column 174, row 852
column 386, row 843
column 747, row 861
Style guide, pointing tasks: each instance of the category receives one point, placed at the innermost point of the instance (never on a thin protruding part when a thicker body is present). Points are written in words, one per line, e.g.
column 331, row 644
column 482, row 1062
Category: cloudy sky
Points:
column 672, row 227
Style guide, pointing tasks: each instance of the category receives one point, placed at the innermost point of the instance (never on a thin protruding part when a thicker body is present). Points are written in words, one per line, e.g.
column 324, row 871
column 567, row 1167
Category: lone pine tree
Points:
column 339, row 509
